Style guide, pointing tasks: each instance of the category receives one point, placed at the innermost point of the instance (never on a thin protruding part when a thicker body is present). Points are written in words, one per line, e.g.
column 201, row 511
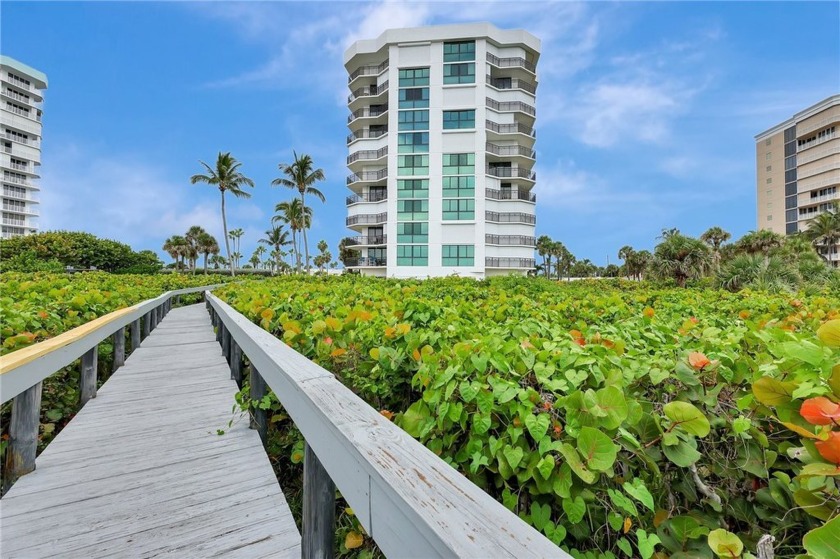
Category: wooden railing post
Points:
column 259, row 417
column 235, row 363
column 90, row 362
column 23, row 435
column 119, row 349
column 147, row 325
column 219, row 329
column 226, row 344
column 318, row 509
column 135, row 335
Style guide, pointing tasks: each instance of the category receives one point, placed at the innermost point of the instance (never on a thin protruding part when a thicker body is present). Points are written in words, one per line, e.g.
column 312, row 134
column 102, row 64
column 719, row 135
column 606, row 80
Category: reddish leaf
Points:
column 698, row 360
column 820, row 411
column 830, row 448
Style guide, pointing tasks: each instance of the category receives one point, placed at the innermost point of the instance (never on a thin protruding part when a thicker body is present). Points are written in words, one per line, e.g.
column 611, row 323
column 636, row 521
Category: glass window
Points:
column 412, row 232
column 458, row 119
column 459, row 73
column 458, row 209
column 410, row 77
column 414, row 98
column 412, row 255
column 458, row 255
column 459, row 187
column 458, row 163
column 413, row 142
column 412, row 210
column 408, row 165
column 458, row 51
column 413, row 188
column 414, row 120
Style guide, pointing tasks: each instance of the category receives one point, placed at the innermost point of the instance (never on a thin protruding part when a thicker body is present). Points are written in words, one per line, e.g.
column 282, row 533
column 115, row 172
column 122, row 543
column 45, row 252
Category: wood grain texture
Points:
column 90, row 363
column 135, row 334
column 259, row 417
column 141, row 471
column 119, row 349
column 23, row 435
column 318, row 509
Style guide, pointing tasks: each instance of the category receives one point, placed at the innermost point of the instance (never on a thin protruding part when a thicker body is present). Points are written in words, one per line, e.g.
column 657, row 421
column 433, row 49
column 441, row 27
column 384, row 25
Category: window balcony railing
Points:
column 19, row 166
column 368, row 176
column 515, row 128
column 816, row 142
column 367, row 219
column 510, row 240
column 369, row 197
column 19, row 195
column 28, row 210
column 511, row 83
column 15, row 180
column 510, row 151
column 367, row 112
column 365, row 135
column 367, row 240
column 510, row 217
column 367, row 71
column 368, row 91
column 17, row 96
column 20, row 140
column 526, row 263
column 367, row 155
column 17, row 110
column 370, row 262
column 823, row 198
column 14, row 222
column 509, row 194
column 511, row 172
column 510, row 106
column 19, row 82
column 511, row 62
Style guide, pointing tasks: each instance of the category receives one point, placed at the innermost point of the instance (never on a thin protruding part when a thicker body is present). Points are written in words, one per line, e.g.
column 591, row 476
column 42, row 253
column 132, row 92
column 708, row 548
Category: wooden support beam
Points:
column 259, row 417
column 119, row 349
column 318, row 509
column 23, row 435
column 135, row 335
column 226, row 344
column 235, row 363
column 147, row 324
column 90, row 362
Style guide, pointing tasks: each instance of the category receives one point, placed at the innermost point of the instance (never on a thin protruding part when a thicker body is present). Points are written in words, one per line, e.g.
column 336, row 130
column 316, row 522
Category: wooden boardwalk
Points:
column 142, row 472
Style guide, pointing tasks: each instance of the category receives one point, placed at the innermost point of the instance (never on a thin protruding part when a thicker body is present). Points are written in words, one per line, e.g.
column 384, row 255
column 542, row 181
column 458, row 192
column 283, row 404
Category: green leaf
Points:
column 574, row 462
column 639, row 491
column 829, row 333
column 54, row 415
column 513, row 455
column 481, row 423
column 563, row 481
column 468, row 390
column 625, row 546
column 646, row 543
column 555, row 532
column 575, row 509
column 597, row 449
column 619, row 500
column 613, row 407
column 415, row 418
column 683, row 454
column 537, row 425
column 545, row 466
column 725, row 544
column 772, row 392
column 834, row 380
column 540, row 515
column 688, row 417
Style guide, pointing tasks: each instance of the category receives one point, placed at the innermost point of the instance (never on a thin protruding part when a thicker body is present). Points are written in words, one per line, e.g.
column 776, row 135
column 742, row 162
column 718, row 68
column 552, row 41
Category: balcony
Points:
column 367, row 155
column 509, row 194
column 25, row 210
column 511, row 62
column 365, row 135
column 17, row 96
column 510, row 151
column 515, row 128
column 19, row 82
column 19, row 196
column 21, row 140
column 367, row 112
column 16, row 180
column 366, row 262
column 367, row 240
column 511, row 173
column 367, row 91
column 518, row 263
column 367, row 71
column 369, row 197
column 823, row 198
column 14, row 222
column 511, row 83
column 19, row 166
column 510, row 217
column 367, row 219
column 511, row 106
column 368, row 176
column 510, row 240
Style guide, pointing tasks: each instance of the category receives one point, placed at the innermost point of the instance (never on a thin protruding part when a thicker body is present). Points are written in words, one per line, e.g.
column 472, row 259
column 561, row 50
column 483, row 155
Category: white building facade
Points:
column 20, row 121
column 441, row 151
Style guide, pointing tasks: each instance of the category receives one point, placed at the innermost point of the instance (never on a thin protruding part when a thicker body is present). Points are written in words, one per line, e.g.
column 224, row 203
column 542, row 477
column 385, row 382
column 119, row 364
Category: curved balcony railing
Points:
column 367, row 219
column 511, row 62
column 511, row 172
column 367, row 112
column 18, row 138
column 368, row 176
column 367, row 71
column 365, row 262
column 510, row 106
column 510, row 240
column 369, row 197
column 367, row 155
column 365, row 135
column 525, row 263
column 367, row 240
column 515, row 128
column 510, row 217
column 509, row 194
column 368, row 91
column 511, row 83
column 510, row 151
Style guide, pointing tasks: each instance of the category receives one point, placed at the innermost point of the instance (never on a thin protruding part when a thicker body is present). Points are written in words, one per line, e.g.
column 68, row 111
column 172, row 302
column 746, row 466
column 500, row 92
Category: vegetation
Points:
column 189, row 247
column 618, row 418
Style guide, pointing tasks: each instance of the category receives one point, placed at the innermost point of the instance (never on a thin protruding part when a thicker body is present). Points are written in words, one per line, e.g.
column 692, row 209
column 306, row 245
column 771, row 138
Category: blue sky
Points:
column 646, row 111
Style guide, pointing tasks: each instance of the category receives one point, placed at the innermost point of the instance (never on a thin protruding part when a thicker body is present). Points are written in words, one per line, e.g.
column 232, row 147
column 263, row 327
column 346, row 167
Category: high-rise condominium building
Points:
column 441, row 151
column 798, row 170
column 22, row 98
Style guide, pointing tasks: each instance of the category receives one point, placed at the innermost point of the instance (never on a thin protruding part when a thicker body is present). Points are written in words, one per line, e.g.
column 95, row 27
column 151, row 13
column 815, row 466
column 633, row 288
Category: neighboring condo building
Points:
column 22, row 98
column 441, row 151
column 798, row 170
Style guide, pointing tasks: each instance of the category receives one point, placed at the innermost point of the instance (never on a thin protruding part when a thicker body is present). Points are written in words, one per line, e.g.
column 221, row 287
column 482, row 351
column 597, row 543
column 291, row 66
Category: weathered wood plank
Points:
column 259, row 416
column 119, row 349
column 318, row 509
column 23, row 435
column 90, row 362
column 135, row 335
column 236, row 363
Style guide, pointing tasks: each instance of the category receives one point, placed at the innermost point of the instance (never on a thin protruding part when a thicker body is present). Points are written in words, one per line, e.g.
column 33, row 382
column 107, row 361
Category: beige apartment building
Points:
column 798, row 169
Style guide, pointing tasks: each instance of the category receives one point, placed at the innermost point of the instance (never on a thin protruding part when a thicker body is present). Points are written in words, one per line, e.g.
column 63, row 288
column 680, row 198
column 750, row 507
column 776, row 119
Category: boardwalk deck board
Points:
column 142, row 472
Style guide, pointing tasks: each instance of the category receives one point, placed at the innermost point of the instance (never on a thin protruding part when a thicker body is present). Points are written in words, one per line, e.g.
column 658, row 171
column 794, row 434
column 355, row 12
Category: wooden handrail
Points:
column 412, row 503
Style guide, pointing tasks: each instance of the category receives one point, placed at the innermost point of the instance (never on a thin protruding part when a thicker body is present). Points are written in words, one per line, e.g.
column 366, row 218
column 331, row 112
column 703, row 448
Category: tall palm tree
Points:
column 762, row 241
column 681, row 258
column 715, row 237
column 824, row 230
column 258, row 252
column 227, row 178
column 192, row 235
column 544, row 250
column 301, row 176
column 236, row 236
column 298, row 217
column 207, row 245
column 276, row 238
column 178, row 248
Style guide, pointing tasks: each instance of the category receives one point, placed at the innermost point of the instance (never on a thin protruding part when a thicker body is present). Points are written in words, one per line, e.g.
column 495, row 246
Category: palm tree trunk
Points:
column 205, row 263
column 227, row 242
column 305, row 241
